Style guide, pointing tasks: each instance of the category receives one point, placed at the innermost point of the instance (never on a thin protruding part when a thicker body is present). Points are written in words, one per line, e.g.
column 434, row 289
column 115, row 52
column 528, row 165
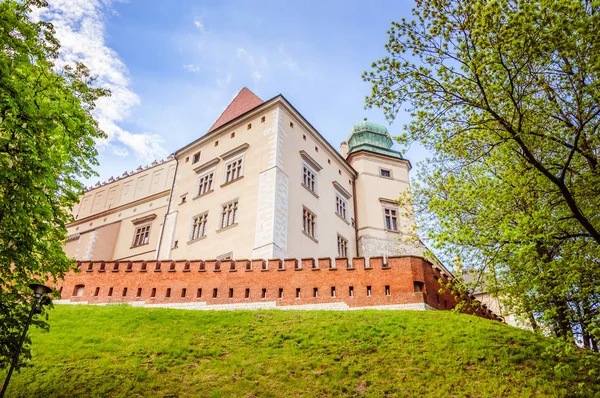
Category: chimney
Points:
column 344, row 149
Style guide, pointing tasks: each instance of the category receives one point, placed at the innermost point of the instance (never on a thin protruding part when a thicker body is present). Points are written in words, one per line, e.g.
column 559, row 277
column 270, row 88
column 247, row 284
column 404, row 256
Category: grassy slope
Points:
column 124, row 351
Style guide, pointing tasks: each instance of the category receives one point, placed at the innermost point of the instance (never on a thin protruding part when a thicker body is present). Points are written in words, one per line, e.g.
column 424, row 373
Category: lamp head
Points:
column 39, row 290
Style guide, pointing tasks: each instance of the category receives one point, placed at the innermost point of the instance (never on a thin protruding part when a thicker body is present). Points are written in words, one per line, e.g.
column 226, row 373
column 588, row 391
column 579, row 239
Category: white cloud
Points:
column 199, row 24
column 256, row 76
column 79, row 26
column 192, row 68
column 242, row 53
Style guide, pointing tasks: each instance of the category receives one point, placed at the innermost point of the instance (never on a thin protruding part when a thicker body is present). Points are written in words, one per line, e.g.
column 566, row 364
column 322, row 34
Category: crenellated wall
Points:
column 393, row 285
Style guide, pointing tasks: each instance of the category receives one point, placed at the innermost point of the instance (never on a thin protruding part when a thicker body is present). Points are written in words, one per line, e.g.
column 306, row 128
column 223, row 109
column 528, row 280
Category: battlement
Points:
column 400, row 282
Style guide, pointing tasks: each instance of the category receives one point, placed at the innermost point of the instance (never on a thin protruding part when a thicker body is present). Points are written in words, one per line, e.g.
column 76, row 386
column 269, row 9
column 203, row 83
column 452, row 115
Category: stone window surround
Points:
column 391, row 176
column 391, row 205
column 314, row 236
column 135, row 233
column 200, row 237
column 240, row 174
column 206, row 172
column 314, row 172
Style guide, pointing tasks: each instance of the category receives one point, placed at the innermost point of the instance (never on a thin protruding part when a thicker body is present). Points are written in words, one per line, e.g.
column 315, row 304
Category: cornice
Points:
column 119, row 208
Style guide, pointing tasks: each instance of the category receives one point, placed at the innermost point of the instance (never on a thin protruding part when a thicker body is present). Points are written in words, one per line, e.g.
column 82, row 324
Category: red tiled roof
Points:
column 242, row 103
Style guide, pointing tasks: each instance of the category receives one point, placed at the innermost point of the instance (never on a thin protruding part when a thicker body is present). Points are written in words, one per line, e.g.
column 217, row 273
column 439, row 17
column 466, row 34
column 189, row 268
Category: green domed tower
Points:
column 383, row 228
column 373, row 137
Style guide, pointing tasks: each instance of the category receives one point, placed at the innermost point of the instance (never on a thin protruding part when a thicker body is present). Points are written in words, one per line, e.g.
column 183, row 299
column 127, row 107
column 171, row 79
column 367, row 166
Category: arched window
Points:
column 78, row 290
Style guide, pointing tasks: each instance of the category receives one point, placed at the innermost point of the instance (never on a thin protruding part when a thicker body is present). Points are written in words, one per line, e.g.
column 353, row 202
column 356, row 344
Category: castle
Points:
column 253, row 208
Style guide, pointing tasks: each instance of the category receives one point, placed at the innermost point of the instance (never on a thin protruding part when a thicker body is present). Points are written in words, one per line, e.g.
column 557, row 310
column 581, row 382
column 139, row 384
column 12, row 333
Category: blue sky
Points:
column 174, row 66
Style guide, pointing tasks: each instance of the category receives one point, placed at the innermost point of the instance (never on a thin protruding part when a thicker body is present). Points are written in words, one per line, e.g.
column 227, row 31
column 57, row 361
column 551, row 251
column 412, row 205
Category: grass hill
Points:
column 131, row 352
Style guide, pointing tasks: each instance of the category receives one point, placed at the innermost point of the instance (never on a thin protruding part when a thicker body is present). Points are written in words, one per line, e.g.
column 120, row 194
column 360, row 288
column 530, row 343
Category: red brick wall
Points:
column 399, row 274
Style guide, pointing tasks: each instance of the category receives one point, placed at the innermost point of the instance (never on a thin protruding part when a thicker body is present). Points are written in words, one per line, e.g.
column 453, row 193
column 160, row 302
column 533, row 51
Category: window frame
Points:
column 308, row 169
column 210, row 175
column 343, row 240
column 396, row 217
column 135, row 234
column 389, row 171
column 240, row 174
column 235, row 217
column 193, row 238
column 344, row 206
column 313, row 227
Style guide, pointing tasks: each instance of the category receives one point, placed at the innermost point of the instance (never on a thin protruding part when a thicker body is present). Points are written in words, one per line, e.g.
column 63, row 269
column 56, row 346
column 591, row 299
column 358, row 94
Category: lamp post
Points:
column 38, row 292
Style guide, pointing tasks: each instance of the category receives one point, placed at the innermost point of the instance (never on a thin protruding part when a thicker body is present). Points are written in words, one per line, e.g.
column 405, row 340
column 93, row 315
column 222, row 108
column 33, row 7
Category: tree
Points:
column 47, row 138
column 505, row 94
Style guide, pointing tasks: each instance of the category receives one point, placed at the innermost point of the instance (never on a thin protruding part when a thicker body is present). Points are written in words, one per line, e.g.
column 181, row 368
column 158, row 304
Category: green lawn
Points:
column 132, row 352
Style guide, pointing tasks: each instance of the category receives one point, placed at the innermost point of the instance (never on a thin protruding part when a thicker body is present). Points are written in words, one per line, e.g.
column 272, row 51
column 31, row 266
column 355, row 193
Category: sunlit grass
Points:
column 130, row 352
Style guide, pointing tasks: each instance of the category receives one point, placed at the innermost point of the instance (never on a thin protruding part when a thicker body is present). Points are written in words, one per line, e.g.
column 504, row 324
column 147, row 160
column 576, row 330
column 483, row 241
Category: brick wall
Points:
column 178, row 282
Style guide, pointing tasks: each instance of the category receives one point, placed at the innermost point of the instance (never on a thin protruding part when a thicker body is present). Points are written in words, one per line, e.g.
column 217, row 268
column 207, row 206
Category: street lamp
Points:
column 38, row 292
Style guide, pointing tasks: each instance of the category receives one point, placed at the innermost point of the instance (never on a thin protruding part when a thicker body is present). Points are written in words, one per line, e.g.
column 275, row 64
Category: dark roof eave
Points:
column 381, row 154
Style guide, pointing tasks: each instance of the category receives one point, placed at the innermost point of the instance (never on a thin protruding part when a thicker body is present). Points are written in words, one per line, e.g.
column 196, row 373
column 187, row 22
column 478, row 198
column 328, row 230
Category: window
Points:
column 199, row 293
column 168, row 294
column 142, row 236
column 233, row 135
column 229, row 214
column 387, row 290
column 418, row 286
column 183, row 199
column 316, row 292
column 391, row 219
column 139, row 292
column 297, row 292
column 217, row 143
column 280, row 293
column 153, row 293
column 215, row 292
column 247, row 293
column 110, row 290
column 249, row 126
column 292, row 124
column 124, row 292
column 183, row 292
column 264, row 293
column 332, row 291
column 308, row 222
column 205, row 183
column 199, row 226
column 262, row 119
column 97, row 292
column 230, row 293
column 340, row 206
column 196, row 158
column 369, row 291
column 309, row 178
column 233, row 170
column 351, row 291
column 385, row 173
column 342, row 245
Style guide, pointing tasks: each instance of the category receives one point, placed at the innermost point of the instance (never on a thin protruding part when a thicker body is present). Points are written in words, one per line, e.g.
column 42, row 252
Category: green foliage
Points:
column 46, row 143
column 121, row 351
column 506, row 95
